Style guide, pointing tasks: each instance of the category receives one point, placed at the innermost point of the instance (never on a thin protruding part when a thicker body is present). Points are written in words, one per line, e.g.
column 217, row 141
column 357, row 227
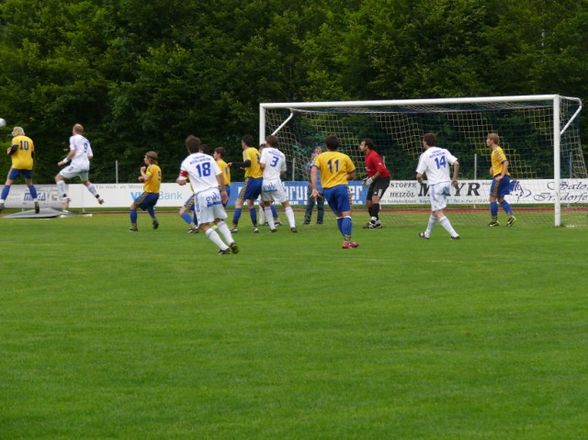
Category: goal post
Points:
column 540, row 135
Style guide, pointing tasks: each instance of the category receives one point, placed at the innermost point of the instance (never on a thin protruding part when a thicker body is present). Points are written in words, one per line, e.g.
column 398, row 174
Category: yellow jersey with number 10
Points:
column 334, row 167
column 22, row 158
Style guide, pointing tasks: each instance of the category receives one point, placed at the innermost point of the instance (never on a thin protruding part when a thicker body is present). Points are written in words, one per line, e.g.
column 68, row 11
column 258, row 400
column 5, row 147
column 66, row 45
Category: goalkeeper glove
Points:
column 368, row 181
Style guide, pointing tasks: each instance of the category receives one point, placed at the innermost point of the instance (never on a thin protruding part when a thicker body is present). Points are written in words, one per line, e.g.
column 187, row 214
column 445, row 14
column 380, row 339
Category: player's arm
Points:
column 145, row 176
column 351, row 174
column 68, row 158
column 455, row 166
column 221, row 187
column 182, row 178
column 244, row 164
column 504, row 171
column 313, row 181
column 12, row 149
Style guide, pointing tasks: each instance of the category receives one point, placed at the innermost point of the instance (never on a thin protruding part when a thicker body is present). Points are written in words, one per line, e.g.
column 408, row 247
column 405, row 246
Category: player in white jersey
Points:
column 208, row 184
column 80, row 154
column 273, row 164
column 435, row 163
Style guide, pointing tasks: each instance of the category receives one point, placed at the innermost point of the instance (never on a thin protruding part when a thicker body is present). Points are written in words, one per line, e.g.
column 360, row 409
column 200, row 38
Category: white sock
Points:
column 93, row 190
column 214, row 237
column 62, row 189
column 225, row 232
column 430, row 225
column 269, row 217
column 447, row 226
column 290, row 216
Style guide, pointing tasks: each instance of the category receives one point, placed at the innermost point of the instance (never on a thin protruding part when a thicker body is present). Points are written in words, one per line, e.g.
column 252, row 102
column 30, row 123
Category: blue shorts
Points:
column 15, row 172
column 252, row 189
column 338, row 198
column 146, row 200
column 189, row 203
column 501, row 189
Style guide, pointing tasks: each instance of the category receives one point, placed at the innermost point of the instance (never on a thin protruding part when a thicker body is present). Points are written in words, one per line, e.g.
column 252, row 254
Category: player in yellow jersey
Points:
column 252, row 186
column 21, row 152
column 501, row 182
column 219, row 155
column 151, row 178
column 336, row 170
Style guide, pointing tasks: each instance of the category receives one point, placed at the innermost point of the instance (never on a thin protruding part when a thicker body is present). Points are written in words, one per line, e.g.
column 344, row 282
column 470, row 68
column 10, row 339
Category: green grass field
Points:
column 110, row 334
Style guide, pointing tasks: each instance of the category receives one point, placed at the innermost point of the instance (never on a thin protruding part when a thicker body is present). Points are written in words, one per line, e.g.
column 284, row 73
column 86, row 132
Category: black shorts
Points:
column 378, row 187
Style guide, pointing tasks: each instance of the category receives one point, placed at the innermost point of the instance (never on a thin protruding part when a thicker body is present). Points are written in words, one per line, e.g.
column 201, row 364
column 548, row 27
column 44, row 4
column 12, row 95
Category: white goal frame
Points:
column 558, row 130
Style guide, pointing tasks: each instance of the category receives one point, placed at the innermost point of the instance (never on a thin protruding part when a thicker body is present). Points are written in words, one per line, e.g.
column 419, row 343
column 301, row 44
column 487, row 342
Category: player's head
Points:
column 247, row 141
column 332, row 142
column 262, row 146
column 219, row 153
column 151, row 157
column 316, row 151
column 272, row 141
column 18, row 131
column 77, row 129
column 492, row 139
column 429, row 140
column 192, row 143
column 366, row 145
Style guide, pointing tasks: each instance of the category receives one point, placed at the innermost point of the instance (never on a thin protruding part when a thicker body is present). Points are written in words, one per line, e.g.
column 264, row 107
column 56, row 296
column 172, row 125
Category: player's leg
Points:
column 368, row 205
column 61, row 186
column 223, row 229
column 493, row 203
column 32, row 190
column 343, row 206
column 206, row 216
column 320, row 209
column 504, row 191
column 441, row 192
column 84, row 177
column 266, row 202
column 310, row 201
column 7, row 185
column 133, row 217
column 379, row 188
column 239, row 206
column 150, row 203
column 290, row 215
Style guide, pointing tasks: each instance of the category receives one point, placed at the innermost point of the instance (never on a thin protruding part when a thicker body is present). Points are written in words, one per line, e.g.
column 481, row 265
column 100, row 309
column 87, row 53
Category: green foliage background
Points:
column 141, row 75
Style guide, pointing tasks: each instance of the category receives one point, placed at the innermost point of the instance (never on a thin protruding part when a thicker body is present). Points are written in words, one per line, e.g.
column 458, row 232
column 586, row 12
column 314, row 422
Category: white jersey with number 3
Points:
column 274, row 161
column 435, row 162
column 202, row 170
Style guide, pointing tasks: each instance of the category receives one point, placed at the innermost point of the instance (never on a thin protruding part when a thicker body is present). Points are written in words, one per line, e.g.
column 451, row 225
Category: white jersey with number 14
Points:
column 435, row 163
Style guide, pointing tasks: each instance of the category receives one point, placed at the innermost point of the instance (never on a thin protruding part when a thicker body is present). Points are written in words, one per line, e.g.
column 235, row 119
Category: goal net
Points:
column 539, row 134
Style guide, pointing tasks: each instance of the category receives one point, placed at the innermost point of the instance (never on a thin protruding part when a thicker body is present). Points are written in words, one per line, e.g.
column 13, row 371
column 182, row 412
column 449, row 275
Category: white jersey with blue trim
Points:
column 435, row 163
column 83, row 152
column 274, row 161
column 202, row 170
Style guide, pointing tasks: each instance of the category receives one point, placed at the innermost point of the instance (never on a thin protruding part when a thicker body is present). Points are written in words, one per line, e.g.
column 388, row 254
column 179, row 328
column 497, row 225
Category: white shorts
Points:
column 273, row 191
column 72, row 171
column 208, row 206
column 438, row 194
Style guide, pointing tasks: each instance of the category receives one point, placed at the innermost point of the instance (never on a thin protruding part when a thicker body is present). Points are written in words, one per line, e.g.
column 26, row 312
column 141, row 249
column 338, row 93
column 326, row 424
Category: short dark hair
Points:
column 272, row 140
column 193, row 143
column 248, row 140
column 429, row 139
column 369, row 143
column 220, row 151
column 332, row 142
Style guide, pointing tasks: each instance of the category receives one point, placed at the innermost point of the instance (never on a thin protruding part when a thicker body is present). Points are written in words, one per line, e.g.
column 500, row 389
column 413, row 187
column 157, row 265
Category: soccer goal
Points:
column 539, row 133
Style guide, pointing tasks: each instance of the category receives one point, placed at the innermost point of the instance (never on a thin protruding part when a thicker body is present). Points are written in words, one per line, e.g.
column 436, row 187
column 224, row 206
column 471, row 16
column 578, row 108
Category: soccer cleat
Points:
column 234, row 248
column 457, row 237
column 226, row 251
column 493, row 223
column 133, row 229
column 235, row 229
column 193, row 229
column 376, row 225
column 423, row 236
column 274, row 230
column 277, row 222
column 100, row 200
column 37, row 208
column 511, row 220
column 155, row 224
column 293, row 229
column 368, row 225
column 65, row 202
column 349, row 245
column 255, row 230
column 306, row 223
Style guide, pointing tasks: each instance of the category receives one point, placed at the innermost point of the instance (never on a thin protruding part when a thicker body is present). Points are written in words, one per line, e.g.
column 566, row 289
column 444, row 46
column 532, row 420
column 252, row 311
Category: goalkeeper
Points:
column 377, row 181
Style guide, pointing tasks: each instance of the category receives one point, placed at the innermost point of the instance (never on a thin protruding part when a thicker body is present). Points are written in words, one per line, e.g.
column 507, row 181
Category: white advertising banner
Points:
column 400, row 192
